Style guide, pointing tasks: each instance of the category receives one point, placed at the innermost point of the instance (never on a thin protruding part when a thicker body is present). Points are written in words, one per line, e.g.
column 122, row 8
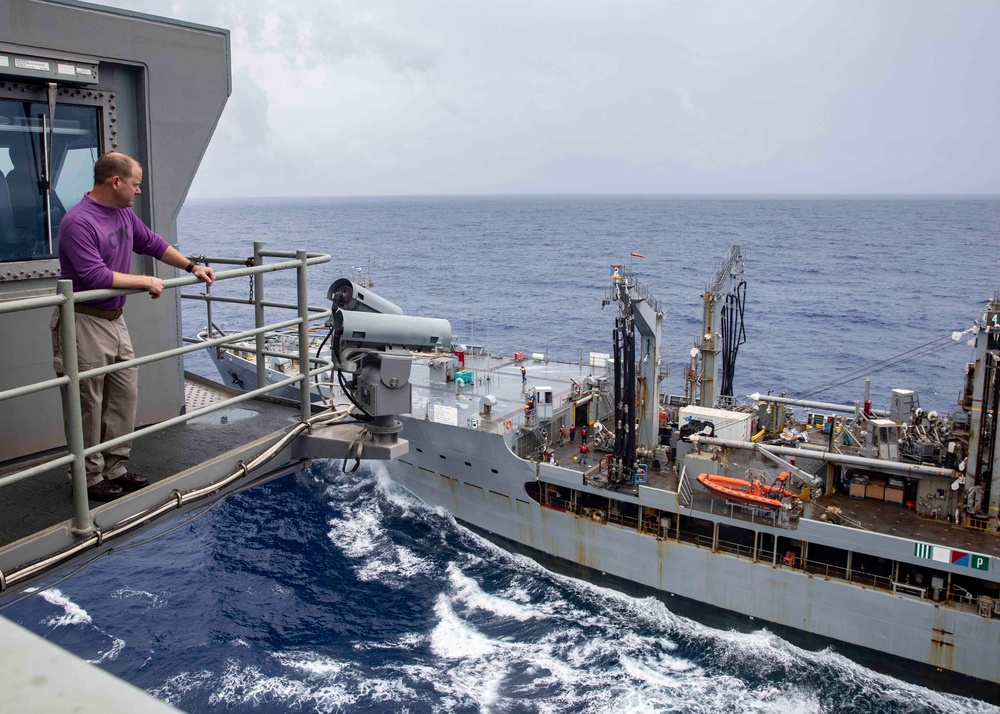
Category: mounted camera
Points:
column 372, row 340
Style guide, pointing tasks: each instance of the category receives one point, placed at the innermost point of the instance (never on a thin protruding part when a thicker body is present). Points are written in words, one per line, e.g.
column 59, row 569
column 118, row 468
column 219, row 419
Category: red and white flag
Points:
column 638, row 255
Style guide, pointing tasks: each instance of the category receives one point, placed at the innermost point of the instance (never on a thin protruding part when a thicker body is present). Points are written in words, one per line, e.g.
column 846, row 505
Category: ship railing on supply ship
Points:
column 741, row 550
column 65, row 300
column 702, row 540
column 255, row 268
column 878, row 582
column 739, row 511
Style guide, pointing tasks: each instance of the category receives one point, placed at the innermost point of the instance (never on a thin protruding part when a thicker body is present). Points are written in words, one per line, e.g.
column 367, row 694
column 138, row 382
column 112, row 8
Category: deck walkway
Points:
column 37, row 503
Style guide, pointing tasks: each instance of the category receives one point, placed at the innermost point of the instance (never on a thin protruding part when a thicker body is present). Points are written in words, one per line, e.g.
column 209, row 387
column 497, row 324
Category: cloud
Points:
column 386, row 96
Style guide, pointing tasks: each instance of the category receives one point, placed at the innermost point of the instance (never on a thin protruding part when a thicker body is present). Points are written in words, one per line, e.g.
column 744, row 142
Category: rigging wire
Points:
column 927, row 348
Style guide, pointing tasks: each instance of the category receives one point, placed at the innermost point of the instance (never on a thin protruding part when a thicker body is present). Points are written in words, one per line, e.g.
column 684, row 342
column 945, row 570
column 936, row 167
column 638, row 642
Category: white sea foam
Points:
column 636, row 672
column 174, row 689
column 400, row 561
column 73, row 614
column 310, row 663
column 361, row 535
column 155, row 601
column 469, row 593
column 357, row 532
column 392, row 492
column 384, row 690
column 452, row 638
column 242, row 686
column 407, row 641
column 117, row 645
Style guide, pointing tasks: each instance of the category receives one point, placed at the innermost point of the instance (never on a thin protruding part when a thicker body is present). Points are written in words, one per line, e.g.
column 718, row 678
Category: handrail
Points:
column 65, row 300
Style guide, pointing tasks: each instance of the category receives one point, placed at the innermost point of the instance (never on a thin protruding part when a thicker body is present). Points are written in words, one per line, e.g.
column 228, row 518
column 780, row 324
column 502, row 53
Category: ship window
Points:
column 494, row 471
column 46, row 169
column 442, row 456
column 420, row 450
column 467, row 463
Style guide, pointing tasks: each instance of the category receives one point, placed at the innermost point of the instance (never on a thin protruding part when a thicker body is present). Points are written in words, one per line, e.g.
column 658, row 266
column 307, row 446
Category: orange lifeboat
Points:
column 752, row 492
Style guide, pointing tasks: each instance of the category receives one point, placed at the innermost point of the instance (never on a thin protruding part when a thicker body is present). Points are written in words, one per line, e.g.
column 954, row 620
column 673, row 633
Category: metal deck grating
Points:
column 198, row 395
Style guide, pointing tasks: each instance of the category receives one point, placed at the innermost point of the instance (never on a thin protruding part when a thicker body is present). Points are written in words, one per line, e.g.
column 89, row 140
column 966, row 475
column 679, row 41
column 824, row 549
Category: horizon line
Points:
column 722, row 195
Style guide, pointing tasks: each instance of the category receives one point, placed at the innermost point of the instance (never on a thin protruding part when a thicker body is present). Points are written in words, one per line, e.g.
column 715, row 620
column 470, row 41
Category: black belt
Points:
column 94, row 312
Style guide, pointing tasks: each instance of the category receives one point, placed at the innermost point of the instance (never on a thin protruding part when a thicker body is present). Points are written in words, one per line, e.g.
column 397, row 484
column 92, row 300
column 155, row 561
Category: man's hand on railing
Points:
column 154, row 286
column 203, row 273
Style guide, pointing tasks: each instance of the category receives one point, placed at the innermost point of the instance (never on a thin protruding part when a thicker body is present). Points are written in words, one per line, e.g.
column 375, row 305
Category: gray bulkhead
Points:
column 160, row 89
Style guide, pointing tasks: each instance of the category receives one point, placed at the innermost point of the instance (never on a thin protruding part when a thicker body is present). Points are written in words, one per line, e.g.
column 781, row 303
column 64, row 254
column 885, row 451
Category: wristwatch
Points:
column 190, row 266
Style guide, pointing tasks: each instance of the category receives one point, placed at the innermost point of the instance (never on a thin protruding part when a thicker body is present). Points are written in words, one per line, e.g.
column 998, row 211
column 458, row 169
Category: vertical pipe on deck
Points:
column 303, row 304
column 208, row 309
column 755, row 536
column 82, row 521
column 715, row 536
column 258, row 313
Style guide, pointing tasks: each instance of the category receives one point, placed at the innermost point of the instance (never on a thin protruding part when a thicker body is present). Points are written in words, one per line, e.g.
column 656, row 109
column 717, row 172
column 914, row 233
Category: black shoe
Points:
column 104, row 491
column 129, row 481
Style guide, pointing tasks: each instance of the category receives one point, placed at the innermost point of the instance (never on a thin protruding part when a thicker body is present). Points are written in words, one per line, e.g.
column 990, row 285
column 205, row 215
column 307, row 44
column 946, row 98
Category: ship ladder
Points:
column 684, row 494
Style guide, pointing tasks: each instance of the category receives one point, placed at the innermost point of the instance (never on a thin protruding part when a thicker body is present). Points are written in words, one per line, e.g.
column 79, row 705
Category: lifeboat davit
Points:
column 753, row 492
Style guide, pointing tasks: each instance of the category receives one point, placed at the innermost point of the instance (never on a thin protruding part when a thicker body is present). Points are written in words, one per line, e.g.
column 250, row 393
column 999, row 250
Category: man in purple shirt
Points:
column 96, row 240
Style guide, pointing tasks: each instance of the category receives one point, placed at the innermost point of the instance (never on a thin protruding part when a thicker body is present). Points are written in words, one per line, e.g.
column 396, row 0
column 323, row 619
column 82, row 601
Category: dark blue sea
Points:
column 330, row 592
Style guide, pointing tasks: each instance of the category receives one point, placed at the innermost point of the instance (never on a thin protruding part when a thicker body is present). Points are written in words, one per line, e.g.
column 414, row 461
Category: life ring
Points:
column 508, row 424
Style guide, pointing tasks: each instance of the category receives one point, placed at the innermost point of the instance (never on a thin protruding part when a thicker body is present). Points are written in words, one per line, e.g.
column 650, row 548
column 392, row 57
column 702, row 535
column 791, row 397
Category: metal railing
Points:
column 65, row 300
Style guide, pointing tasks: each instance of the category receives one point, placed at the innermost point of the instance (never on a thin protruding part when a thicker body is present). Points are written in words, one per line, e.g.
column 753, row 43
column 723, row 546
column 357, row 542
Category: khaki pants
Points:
column 108, row 402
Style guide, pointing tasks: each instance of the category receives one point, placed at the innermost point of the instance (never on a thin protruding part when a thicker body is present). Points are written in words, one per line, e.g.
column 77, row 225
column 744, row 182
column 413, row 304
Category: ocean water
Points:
column 330, row 592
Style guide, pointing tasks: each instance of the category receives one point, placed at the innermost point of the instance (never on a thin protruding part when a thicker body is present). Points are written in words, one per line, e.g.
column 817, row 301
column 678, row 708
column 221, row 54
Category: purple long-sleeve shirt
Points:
column 96, row 241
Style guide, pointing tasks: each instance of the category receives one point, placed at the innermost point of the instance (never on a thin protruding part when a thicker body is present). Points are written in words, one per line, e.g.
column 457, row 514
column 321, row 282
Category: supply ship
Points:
column 846, row 523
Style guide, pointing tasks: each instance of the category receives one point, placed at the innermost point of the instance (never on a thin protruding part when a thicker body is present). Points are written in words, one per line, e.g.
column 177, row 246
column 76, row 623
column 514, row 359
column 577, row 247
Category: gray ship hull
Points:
column 475, row 477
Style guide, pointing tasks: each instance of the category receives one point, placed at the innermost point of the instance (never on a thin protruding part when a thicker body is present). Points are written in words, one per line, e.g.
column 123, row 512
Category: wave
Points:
column 415, row 612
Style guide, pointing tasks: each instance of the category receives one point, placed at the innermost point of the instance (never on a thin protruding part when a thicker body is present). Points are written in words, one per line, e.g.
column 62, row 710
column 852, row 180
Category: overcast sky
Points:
column 383, row 97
